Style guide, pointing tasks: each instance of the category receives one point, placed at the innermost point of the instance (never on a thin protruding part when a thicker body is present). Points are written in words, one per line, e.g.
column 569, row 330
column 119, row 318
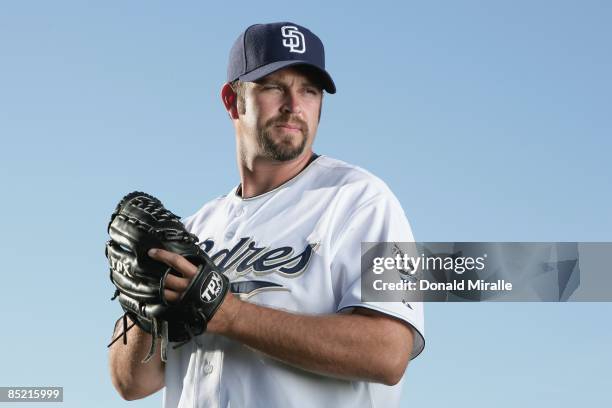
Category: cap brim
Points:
column 327, row 82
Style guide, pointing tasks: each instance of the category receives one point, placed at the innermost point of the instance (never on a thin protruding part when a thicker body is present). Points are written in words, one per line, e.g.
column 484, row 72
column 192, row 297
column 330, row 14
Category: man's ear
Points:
column 230, row 100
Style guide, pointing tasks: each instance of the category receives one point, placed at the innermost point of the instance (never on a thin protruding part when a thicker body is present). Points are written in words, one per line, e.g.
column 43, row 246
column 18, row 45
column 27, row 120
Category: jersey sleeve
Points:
column 380, row 219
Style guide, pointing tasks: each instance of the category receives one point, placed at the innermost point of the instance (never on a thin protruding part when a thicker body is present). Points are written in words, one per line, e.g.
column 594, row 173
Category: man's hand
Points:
column 175, row 287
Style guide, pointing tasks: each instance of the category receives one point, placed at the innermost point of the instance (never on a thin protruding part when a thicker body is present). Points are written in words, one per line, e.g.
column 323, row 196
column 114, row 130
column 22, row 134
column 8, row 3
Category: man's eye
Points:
column 312, row 91
column 272, row 87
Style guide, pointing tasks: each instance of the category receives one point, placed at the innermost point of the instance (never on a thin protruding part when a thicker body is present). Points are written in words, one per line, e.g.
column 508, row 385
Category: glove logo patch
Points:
column 121, row 267
column 210, row 292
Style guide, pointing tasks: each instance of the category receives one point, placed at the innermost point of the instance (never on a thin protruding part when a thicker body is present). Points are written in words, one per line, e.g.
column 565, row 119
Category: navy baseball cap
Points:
column 265, row 48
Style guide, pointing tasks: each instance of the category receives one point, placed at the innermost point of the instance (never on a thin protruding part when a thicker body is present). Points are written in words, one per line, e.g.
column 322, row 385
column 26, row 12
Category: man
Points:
column 296, row 332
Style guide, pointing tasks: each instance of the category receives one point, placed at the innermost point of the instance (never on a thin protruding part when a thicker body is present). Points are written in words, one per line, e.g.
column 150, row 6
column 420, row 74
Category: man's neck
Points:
column 262, row 176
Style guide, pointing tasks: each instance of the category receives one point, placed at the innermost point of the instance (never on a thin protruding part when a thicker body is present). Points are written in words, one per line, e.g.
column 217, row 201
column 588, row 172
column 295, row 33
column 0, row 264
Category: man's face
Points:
column 281, row 115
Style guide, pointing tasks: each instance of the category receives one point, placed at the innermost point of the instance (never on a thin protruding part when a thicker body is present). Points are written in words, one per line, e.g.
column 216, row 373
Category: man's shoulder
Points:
column 205, row 211
column 349, row 177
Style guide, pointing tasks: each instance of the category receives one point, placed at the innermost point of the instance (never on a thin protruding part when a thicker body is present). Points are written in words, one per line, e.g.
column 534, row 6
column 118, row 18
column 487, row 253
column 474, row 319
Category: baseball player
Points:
column 295, row 332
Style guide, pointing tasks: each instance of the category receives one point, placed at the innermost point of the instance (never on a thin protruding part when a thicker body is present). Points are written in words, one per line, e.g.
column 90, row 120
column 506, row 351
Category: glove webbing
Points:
column 154, row 208
column 165, row 233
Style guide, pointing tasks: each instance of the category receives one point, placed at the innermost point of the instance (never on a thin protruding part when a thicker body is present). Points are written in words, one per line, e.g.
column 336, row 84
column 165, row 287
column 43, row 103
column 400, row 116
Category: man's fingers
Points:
column 174, row 286
column 171, row 296
column 175, row 261
column 176, row 283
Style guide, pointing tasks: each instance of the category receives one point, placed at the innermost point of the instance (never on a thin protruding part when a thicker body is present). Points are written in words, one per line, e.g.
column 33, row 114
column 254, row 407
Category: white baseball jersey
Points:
column 295, row 248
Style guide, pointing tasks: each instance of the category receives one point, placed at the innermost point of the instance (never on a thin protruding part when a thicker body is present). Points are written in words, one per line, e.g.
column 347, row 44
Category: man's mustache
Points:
column 288, row 120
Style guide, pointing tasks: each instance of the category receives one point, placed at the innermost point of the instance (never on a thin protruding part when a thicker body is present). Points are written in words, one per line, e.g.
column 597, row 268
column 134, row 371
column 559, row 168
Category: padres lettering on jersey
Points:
column 295, row 248
column 245, row 257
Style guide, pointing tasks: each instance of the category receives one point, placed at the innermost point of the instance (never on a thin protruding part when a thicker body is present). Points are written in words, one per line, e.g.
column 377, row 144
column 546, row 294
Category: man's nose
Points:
column 292, row 103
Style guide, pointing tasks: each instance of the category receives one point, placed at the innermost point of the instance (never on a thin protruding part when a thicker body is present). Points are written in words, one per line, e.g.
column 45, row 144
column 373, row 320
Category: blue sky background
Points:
column 489, row 120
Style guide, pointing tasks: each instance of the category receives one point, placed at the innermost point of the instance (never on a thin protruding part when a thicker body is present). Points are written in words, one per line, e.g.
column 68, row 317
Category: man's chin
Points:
column 285, row 149
column 285, row 154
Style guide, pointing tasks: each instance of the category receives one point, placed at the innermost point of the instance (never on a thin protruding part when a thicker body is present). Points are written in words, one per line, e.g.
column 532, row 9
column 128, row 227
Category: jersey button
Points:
column 229, row 234
column 208, row 368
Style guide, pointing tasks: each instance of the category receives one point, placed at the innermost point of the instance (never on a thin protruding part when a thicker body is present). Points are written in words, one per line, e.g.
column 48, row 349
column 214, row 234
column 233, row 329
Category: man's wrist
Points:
column 225, row 317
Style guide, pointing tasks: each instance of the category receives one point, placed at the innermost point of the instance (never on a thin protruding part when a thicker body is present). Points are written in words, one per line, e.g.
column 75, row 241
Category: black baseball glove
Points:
column 140, row 222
